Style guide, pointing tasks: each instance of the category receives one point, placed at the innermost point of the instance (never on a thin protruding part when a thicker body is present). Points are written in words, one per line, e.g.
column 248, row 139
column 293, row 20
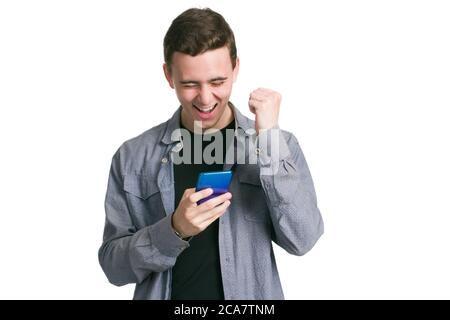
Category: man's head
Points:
column 201, row 64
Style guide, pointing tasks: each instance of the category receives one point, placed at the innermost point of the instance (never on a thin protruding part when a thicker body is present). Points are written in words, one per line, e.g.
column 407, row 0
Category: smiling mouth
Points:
column 206, row 110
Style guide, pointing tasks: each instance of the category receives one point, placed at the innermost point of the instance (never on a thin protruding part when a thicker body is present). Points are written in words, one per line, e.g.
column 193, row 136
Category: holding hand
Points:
column 190, row 219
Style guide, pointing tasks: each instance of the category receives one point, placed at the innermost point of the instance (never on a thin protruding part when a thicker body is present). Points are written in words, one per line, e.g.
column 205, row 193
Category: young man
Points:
column 156, row 235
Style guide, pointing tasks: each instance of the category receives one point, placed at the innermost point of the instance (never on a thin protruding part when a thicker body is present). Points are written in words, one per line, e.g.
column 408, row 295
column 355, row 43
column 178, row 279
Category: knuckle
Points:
column 209, row 205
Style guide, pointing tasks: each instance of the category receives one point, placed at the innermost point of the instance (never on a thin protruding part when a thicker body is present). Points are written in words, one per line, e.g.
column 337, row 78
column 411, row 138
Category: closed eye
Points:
column 190, row 85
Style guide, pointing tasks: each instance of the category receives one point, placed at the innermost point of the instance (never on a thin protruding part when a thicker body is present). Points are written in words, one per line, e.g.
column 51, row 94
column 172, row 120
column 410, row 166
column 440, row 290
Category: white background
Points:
column 365, row 88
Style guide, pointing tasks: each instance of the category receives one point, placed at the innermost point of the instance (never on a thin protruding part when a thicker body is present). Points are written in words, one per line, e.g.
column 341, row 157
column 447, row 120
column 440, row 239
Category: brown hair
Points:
column 196, row 31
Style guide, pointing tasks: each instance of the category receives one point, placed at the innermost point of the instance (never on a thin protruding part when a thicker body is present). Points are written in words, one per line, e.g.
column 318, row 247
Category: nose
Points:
column 204, row 96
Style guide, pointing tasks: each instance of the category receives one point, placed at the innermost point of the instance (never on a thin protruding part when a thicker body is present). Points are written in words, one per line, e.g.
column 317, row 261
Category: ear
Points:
column 236, row 70
column 168, row 76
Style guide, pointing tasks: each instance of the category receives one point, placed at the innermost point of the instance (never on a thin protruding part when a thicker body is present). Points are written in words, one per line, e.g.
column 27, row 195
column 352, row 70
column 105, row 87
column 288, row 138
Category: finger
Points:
column 212, row 203
column 255, row 102
column 255, row 105
column 261, row 92
column 196, row 196
column 188, row 192
column 257, row 98
column 210, row 216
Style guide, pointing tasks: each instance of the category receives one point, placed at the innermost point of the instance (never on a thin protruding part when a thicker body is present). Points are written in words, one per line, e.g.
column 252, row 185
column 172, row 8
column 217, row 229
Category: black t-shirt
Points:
column 196, row 274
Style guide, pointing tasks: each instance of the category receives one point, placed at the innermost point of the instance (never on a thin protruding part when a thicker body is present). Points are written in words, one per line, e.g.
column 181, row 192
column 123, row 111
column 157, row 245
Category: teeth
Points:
column 205, row 110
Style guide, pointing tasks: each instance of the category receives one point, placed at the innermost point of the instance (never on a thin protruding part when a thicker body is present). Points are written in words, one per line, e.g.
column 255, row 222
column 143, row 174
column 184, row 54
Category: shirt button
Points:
column 164, row 160
column 257, row 150
column 227, row 259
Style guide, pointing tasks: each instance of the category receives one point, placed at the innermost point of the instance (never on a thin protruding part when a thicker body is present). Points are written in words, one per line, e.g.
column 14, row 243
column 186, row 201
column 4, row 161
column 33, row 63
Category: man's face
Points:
column 203, row 86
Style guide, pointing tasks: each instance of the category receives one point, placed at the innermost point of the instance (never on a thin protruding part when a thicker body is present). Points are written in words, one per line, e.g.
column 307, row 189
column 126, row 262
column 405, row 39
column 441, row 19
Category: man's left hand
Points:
column 265, row 104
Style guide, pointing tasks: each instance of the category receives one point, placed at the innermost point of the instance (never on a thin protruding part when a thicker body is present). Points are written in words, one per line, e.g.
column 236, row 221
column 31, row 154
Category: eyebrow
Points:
column 210, row 80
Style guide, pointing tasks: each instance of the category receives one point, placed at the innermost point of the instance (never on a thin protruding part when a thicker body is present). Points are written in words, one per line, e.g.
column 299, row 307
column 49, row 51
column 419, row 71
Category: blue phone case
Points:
column 219, row 181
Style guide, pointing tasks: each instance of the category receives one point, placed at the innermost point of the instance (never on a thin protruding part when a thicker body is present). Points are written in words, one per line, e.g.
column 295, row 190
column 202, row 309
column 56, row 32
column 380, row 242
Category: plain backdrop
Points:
column 365, row 88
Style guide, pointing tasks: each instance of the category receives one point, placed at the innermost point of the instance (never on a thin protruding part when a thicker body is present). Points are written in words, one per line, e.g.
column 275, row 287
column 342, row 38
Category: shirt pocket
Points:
column 252, row 197
column 144, row 199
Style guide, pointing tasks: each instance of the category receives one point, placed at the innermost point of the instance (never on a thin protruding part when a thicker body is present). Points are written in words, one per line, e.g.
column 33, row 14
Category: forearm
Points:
column 131, row 258
column 290, row 193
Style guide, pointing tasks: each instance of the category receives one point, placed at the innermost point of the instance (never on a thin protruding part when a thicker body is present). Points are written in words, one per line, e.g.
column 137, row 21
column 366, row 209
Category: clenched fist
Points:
column 265, row 104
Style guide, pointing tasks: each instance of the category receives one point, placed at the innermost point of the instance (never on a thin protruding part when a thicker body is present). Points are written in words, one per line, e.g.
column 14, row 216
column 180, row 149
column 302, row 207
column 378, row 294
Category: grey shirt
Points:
column 273, row 200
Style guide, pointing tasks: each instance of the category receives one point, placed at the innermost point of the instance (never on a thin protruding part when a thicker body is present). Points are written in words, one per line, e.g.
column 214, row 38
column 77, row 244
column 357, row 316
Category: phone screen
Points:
column 219, row 181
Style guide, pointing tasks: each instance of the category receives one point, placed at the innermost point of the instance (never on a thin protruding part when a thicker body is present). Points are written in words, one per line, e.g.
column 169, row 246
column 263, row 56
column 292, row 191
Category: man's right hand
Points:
column 190, row 219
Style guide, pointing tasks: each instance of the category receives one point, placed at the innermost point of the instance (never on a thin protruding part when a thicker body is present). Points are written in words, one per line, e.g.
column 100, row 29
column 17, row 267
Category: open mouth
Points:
column 206, row 110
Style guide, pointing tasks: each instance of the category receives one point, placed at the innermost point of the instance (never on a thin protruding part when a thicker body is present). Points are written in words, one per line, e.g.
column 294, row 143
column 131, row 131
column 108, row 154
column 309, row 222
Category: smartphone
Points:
column 219, row 181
